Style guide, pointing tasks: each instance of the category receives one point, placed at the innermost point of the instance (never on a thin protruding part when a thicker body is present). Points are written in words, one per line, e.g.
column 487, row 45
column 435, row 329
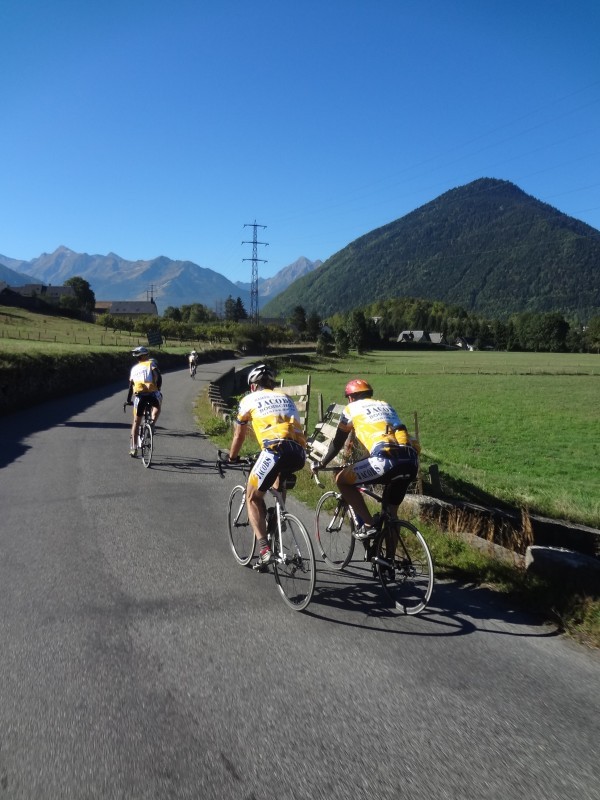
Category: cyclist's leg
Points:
column 156, row 406
column 292, row 458
column 261, row 478
column 138, row 411
column 396, row 480
column 369, row 470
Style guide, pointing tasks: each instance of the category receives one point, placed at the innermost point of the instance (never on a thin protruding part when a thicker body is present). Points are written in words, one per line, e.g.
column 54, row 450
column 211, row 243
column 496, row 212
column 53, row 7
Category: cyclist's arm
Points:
column 239, row 434
column 130, row 392
column 334, row 448
column 157, row 377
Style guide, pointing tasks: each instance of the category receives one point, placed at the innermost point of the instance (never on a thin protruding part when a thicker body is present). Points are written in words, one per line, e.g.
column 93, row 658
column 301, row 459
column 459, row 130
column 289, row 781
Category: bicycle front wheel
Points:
column 294, row 564
column 333, row 528
column 241, row 535
column 147, row 444
column 404, row 566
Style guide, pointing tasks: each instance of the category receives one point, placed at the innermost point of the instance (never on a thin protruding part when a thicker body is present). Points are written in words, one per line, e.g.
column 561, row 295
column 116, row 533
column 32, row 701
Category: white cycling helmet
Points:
column 139, row 351
column 261, row 375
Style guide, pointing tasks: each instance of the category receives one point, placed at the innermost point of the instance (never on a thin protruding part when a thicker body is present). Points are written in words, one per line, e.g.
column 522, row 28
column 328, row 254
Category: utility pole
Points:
column 255, row 260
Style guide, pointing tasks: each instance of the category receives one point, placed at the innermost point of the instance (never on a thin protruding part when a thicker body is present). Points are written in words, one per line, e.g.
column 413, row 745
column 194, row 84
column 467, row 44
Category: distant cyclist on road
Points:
column 276, row 424
column 393, row 455
column 145, row 382
column 193, row 362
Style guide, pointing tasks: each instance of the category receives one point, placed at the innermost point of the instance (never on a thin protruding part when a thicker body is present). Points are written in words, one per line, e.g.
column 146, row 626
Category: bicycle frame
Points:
column 280, row 513
column 292, row 556
column 398, row 551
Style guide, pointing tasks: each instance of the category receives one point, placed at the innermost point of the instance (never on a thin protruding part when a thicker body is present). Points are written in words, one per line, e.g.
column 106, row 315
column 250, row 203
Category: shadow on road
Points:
column 454, row 610
column 192, row 465
column 17, row 426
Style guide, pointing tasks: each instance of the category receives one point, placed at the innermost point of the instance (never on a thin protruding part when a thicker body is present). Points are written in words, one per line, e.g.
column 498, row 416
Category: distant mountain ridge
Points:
column 12, row 276
column 169, row 282
column 268, row 288
column 487, row 246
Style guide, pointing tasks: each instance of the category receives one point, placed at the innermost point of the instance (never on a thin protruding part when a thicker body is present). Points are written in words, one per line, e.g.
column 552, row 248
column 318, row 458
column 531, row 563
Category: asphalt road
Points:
column 138, row 660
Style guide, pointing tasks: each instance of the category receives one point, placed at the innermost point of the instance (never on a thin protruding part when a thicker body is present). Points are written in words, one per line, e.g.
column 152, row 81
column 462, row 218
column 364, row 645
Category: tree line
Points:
column 375, row 325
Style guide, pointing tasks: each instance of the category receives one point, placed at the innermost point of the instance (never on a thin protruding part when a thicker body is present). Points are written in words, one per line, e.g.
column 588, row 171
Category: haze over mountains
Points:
column 486, row 246
column 171, row 283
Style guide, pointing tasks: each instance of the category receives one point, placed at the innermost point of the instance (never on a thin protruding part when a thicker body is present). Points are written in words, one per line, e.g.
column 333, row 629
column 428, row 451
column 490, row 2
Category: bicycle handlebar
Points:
column 243, row 463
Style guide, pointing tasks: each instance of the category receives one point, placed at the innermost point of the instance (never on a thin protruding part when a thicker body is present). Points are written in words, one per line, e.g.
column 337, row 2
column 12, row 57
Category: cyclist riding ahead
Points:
column 145, row 382
column 393, row 455
column 277, row 427
column 193, row 362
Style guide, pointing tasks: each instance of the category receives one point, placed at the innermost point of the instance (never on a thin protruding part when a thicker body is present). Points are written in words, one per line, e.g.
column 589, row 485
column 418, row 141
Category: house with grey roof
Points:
column 127, row 308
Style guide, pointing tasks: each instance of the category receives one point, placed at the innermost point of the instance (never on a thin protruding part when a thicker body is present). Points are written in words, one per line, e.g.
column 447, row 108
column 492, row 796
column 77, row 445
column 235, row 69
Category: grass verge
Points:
column 455, row 558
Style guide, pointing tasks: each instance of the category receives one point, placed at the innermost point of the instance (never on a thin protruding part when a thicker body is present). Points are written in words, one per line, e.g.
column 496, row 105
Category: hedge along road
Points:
column 139, row 661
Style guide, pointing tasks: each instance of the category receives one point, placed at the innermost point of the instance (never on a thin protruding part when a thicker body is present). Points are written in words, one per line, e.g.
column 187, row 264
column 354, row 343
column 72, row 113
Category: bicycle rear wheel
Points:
column 404, row 566
column 241, row 535
column 294, row 565
column 147, row 444
column 333, row 528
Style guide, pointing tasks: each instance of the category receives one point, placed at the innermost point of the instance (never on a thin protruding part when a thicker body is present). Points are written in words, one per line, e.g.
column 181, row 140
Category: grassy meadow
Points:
column 515, row 428
column 23, row 331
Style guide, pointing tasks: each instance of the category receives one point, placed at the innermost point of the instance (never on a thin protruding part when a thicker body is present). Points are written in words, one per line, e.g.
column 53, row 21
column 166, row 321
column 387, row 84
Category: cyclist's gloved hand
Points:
column 315, row 467
column 233, row 460
column 129, row 402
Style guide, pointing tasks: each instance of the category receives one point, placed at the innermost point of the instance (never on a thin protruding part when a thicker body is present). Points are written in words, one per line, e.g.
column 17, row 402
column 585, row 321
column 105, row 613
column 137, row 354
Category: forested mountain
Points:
column 268, row 288
column 486, row 246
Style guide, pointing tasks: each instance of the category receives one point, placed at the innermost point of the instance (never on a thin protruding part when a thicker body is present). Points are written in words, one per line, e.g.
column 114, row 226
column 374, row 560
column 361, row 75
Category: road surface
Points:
column 137, row 660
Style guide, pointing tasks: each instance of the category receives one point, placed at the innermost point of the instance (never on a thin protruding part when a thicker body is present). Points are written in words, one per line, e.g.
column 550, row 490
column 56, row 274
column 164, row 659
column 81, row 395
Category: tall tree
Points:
column 313, row 326
column 83, row 292
column 298, row 319
column 357, row 330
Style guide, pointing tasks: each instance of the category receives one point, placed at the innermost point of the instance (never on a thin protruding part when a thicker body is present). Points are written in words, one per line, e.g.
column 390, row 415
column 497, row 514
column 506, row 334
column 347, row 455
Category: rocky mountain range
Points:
column 169, row 282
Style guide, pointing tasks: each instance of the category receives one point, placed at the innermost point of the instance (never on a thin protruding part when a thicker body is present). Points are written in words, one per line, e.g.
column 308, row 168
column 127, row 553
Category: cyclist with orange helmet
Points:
column 393, row 455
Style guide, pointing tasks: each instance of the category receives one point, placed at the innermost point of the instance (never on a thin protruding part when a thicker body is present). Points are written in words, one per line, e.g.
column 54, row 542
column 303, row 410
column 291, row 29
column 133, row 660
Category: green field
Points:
column 514, row 428
column 517, row 428
column 23, row 331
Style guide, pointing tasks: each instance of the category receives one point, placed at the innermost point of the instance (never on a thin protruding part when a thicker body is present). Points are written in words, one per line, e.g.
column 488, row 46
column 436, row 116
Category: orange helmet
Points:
column 357, row 386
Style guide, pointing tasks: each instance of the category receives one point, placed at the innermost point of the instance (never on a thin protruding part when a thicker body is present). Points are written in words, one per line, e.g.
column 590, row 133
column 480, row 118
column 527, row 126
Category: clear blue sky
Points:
column 147, row 128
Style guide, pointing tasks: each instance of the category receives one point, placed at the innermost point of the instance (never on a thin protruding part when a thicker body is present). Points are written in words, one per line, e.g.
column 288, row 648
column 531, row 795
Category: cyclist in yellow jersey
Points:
column 145, row 382
column 277, row 427
column 393, row 455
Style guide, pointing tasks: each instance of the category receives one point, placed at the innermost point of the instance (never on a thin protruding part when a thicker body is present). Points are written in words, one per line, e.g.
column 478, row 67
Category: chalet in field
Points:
column 421, row 337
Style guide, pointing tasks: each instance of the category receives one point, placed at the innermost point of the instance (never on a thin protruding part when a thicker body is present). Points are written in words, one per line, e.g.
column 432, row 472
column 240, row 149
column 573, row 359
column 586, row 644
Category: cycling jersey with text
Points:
column 375, row 422
column 273, row 415
column 142, row 378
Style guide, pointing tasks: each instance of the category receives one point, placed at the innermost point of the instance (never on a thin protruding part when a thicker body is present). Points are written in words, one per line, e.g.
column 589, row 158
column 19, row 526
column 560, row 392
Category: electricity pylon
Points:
column 255, row 260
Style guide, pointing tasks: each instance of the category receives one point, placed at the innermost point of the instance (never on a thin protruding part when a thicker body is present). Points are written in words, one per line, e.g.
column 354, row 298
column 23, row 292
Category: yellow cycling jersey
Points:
column 273, row 415
column 142, row 377
column 375, row 423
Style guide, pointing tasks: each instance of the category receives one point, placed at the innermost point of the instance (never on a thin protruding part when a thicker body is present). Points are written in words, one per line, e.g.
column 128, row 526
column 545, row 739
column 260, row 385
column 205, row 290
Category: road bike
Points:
column 398, row 553
column 145, row 435
column 293, row 557
column 193, row 368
